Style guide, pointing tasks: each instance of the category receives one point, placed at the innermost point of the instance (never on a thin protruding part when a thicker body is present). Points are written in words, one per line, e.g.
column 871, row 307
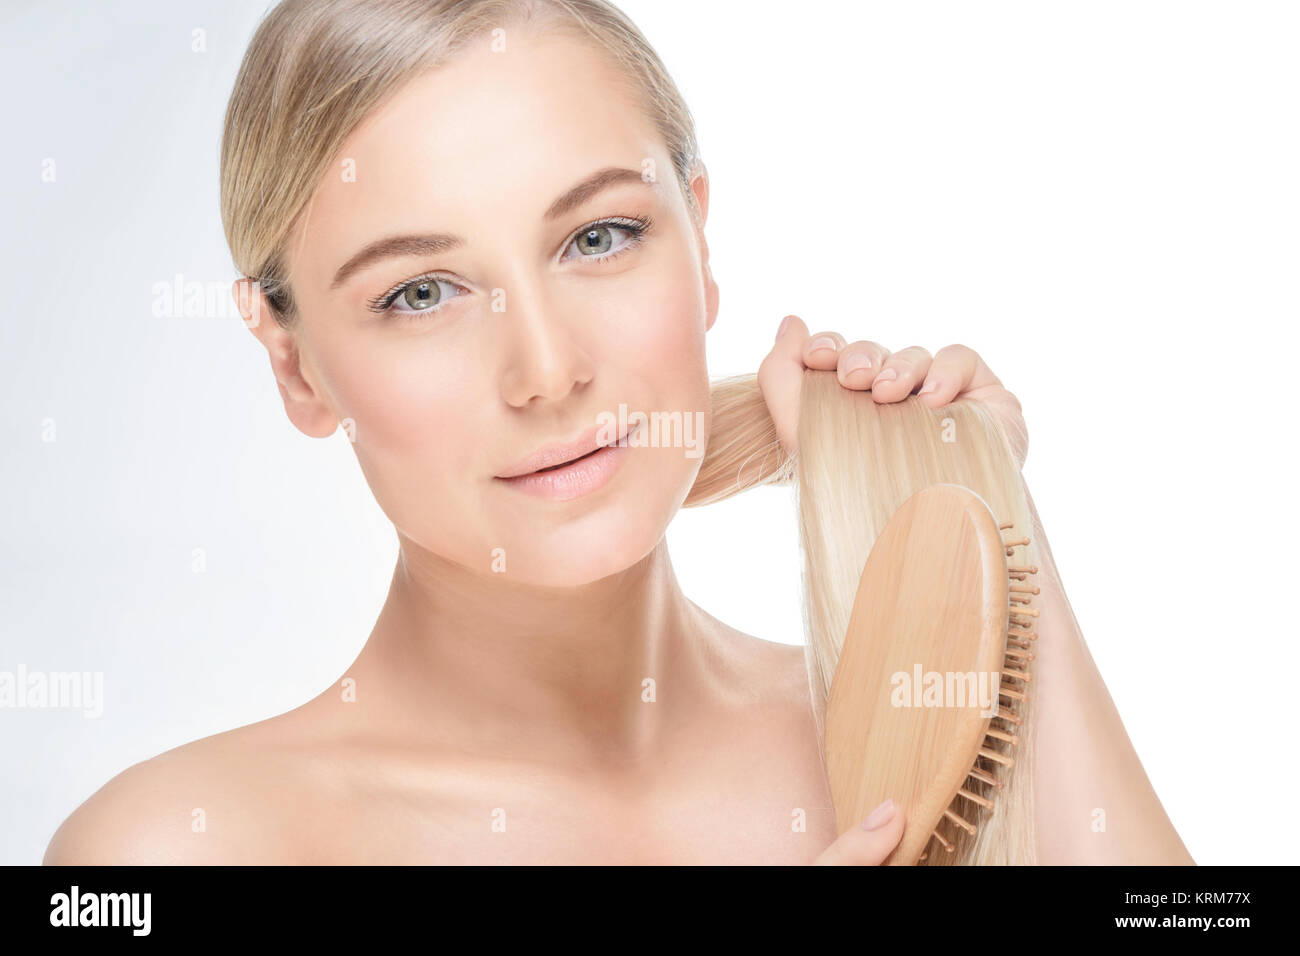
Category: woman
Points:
column 477, row 230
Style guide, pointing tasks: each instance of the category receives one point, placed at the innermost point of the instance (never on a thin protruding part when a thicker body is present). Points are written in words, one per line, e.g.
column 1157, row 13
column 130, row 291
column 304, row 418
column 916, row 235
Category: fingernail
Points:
column 854, row 363
column 929, row 386
column 822, row 342
column 887, row 375
column 785, row 324
column 880, row 816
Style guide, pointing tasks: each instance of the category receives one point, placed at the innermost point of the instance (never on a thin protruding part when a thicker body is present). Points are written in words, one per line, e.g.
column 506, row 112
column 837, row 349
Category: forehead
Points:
column 486, row 135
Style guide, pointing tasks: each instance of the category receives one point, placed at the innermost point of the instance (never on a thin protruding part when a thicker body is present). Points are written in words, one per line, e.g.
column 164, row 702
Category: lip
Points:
column 558, row 453
column 594, row 466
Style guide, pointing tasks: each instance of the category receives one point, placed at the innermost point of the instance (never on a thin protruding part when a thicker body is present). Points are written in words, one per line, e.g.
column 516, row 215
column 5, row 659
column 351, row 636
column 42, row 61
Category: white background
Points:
column 1101, row 198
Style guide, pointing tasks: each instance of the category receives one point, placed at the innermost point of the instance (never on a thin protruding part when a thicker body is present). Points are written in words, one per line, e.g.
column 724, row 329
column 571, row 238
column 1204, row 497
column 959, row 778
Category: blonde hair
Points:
column 857, row 462
column 316, row 68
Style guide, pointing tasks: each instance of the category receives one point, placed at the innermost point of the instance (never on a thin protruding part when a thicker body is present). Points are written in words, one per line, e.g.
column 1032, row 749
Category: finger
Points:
column 956, row 370
column 859, row 362
column 903, row 373
column 780, row 377
column 821, row 351
column 859, row 846
column 950, row 374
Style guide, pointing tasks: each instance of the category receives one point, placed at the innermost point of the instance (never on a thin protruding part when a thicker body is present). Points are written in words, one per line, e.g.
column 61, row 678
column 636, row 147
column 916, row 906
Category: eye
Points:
column 594, row 241
column 419, row 296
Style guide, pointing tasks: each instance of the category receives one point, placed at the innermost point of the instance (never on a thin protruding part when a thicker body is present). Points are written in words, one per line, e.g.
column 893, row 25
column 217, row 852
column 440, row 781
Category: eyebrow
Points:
column 428, row 244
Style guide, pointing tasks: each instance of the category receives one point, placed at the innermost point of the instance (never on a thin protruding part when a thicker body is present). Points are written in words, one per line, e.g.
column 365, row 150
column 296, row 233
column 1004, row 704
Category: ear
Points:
column 700, row 187
column 303, row 403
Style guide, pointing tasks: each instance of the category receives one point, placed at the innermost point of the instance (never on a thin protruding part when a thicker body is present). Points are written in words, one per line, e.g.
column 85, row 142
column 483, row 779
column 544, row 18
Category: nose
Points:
column 545, row 361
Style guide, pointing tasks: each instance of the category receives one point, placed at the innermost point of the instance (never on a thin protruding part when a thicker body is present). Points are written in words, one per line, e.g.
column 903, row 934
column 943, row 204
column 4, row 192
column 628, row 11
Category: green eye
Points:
column 418, row 297
column 422, row 295
column 595, row 241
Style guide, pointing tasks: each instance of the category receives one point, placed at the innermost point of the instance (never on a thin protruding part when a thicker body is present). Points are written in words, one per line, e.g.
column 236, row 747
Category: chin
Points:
column 573, row 557
column 587, row 540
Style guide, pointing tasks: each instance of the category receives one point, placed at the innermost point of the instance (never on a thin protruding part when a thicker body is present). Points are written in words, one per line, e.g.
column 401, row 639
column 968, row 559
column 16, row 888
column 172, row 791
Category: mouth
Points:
column 565, row 464
column 564, row 472
column 564, row 454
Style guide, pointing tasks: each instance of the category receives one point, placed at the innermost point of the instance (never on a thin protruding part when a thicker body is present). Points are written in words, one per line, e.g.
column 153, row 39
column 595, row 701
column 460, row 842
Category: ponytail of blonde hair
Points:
column 857, row 462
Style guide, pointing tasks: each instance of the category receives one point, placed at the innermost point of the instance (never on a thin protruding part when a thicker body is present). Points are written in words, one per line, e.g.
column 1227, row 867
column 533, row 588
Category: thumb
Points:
column 870, row 842
column 780, row 378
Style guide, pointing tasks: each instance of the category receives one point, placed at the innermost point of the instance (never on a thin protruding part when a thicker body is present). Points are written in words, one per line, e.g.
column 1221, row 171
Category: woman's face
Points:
column 527, row 325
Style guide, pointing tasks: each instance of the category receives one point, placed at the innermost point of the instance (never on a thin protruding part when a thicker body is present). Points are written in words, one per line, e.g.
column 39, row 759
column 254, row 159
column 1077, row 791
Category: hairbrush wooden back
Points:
column 920, row 708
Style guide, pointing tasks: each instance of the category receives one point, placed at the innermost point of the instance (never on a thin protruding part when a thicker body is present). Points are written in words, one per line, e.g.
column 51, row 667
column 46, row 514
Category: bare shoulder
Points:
column 224, row 799
column 767, row 669
column 783, row 666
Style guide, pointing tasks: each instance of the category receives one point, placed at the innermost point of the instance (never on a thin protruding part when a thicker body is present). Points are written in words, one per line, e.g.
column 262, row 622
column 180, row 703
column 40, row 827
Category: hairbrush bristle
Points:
column 1015, row 667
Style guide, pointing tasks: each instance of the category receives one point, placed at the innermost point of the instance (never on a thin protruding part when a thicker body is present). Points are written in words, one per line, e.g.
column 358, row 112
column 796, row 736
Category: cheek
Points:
column 657, row 326
column 657, row 362
column 412, row 409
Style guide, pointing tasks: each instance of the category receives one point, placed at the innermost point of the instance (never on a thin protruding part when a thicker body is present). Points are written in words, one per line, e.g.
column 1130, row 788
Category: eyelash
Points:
column 636, row 226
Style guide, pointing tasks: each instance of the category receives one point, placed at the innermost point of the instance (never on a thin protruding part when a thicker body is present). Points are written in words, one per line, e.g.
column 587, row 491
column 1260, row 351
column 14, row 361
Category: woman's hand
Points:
column 954, row 372
column 868, row 843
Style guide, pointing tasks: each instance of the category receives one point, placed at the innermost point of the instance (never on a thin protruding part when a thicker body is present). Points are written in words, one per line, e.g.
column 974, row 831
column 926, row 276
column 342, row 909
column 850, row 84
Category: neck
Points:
column 555, row 674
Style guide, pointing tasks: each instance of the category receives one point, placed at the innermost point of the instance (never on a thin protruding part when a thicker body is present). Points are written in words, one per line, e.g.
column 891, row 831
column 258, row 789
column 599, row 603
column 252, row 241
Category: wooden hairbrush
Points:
column 937, row 596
